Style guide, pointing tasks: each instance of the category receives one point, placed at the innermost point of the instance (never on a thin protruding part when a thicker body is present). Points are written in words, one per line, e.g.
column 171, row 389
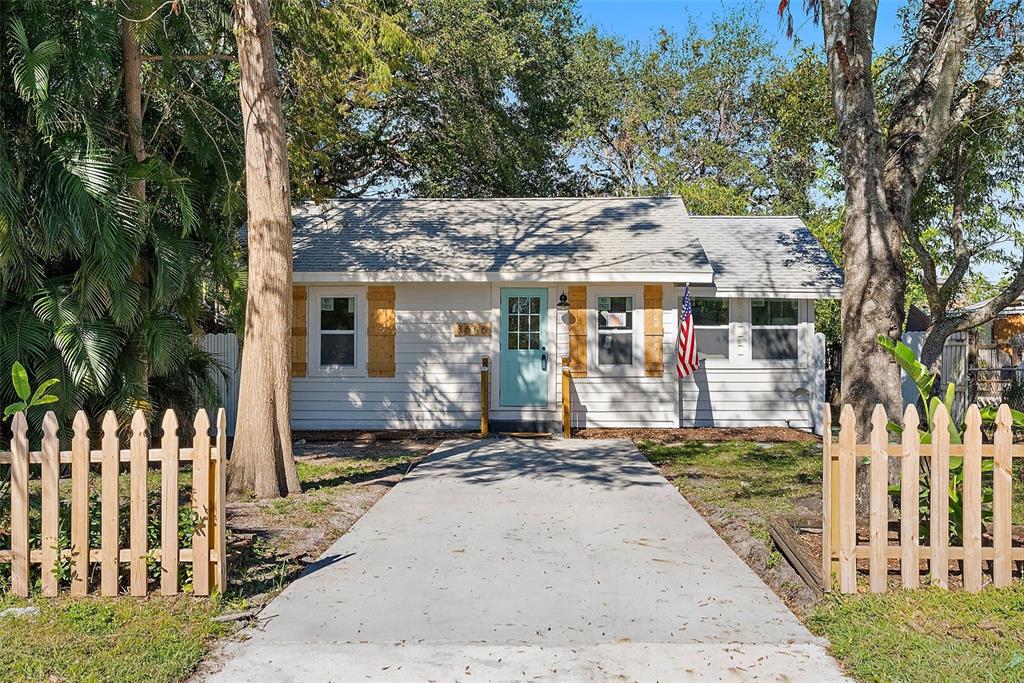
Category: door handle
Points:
column 543, row 358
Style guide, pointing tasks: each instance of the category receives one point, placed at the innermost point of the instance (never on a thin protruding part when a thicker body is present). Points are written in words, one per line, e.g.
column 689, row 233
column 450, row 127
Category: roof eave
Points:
column 700, row 276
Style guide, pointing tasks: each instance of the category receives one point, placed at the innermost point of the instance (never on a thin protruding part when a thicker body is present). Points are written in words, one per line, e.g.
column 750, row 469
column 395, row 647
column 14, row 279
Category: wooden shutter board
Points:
column 300, row 334
column 381, row 323
column 578, row 330
column 654, row 330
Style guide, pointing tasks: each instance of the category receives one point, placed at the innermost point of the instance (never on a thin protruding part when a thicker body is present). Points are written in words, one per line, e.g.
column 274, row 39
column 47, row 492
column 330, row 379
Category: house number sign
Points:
column 472, row 329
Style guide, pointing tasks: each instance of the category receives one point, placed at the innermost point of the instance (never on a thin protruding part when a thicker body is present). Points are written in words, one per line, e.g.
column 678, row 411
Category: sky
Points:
column 640, row 19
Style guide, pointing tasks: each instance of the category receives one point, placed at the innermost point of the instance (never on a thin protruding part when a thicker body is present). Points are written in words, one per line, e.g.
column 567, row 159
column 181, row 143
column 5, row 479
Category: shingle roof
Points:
column 497, row 236
column 603, row 236
column 759, row 255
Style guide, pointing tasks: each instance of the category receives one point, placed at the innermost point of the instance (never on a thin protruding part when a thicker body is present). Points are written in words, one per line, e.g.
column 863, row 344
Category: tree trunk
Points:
column 132, row 64
column 935, row 342
column 262, row 462
column 872, row 235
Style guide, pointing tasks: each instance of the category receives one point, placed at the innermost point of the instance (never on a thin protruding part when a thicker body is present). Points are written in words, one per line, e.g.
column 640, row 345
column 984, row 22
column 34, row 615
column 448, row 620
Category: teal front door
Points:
column 524, row 341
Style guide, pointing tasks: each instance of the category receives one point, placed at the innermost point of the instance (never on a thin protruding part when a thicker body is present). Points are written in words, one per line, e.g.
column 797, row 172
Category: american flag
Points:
column 686, row 362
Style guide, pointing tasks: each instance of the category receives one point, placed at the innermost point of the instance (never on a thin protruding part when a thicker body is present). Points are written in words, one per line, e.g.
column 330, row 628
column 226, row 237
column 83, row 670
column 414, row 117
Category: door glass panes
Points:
column 523, row 314
column 615, row 330
column 337, row 331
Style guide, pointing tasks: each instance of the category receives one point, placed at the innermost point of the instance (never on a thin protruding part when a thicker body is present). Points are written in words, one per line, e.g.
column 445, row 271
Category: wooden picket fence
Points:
column 985, row 548
column 207, row 553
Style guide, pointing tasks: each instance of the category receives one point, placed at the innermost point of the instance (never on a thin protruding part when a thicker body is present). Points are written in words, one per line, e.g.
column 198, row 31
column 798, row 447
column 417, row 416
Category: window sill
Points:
column 331, row 372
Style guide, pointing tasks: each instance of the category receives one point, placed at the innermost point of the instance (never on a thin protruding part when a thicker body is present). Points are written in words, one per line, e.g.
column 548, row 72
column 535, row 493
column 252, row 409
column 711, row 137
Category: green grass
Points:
column 98, row 639
column 741, row 474
column 163, row 639
column 927, row 635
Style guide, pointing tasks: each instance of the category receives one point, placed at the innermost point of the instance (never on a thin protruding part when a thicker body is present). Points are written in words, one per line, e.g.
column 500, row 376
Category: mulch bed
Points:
column 703, row 434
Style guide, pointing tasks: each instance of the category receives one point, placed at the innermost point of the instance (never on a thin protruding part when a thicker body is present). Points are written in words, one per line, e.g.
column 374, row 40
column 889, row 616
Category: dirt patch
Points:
column 704, row 434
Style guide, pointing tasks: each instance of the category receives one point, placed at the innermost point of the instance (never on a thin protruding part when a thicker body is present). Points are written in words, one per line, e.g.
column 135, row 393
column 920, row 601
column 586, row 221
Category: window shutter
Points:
column 299, row 331
column 654, row 331
column 578, row 330
column 380, row 302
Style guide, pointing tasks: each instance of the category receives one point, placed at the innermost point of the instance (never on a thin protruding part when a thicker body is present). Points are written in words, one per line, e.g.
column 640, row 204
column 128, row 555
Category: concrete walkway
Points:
column 530, row 560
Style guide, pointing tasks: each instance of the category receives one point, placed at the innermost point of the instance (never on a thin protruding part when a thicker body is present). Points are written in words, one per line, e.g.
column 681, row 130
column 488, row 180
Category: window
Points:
column 523, row 323
column 774, row 329
column 614, row 330
column 337, row 331
column 711, row 327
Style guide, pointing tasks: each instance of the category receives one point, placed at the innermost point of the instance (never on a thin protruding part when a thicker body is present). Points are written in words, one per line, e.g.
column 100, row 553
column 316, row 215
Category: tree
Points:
column 458, row 98
column 262, row 461
column 957, row 53
column 968, row 212
column 102, row 286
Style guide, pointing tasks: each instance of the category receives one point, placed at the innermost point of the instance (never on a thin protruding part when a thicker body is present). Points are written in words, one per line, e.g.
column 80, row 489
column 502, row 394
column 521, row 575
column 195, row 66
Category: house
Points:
column 398, row 301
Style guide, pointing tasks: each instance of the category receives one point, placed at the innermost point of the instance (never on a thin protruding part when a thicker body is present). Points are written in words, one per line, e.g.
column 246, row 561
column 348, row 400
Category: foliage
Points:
column 97, row 288
column 28, row 399
column 926, row 635
column 459, row 98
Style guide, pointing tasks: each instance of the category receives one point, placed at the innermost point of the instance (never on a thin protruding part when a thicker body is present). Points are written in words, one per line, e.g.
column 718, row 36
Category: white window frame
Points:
column 314, row 332
column 593, row 344
column 775, row 362
column 712, row 362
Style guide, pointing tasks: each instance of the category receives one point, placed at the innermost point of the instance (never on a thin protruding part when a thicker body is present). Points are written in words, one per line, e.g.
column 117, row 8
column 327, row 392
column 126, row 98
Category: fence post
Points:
column 219, row 492
column 829, row 530
column 110, row 467
column 139, row 506
column 972, row 501
column 910, row 481
column 847, row 500
column 19, row 506
column 566, row 398
column 485, row 397
column 879, row 510
column 50, row 476
column 80, row 505
column 201, row 504
column 1002, row 499
column 169, row 463
column 938, row 533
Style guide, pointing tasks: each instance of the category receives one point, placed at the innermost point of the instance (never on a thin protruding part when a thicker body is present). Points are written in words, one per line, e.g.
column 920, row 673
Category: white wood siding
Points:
column 437, row 378
column 437, row 375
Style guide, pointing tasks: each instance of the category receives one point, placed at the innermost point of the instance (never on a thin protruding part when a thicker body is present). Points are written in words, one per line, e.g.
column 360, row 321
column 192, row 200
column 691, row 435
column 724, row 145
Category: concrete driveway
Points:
column 512, row 559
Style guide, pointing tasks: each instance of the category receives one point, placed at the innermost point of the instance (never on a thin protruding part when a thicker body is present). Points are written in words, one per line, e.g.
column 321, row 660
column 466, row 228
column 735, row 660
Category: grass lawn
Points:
column 739, row 474
column 927, row 635
column 164, row 639
column 924, row 635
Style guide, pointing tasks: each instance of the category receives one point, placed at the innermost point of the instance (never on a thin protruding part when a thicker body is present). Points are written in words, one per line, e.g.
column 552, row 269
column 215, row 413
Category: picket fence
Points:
column 984, row 548
column 207, row 553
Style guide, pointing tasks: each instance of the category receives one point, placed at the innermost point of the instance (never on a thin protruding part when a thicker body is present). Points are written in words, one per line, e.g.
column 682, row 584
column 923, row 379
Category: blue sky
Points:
column 640, row 19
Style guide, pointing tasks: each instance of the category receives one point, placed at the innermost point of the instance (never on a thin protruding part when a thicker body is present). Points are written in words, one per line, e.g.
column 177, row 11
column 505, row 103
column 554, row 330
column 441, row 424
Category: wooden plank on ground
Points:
column 80, row 505
column 972, row 501
column 789, row 544
column 879, row 500
column 910, row 482
column 50, row 481
column 169, row 505
column 1002, row 499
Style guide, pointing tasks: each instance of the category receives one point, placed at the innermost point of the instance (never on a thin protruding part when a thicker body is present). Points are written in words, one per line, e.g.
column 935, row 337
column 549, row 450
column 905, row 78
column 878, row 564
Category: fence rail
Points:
column 207, row 551
column 976, row 543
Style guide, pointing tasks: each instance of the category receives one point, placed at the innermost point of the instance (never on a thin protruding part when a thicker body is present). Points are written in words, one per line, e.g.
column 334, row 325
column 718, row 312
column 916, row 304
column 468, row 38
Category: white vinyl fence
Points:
column 225, row 348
